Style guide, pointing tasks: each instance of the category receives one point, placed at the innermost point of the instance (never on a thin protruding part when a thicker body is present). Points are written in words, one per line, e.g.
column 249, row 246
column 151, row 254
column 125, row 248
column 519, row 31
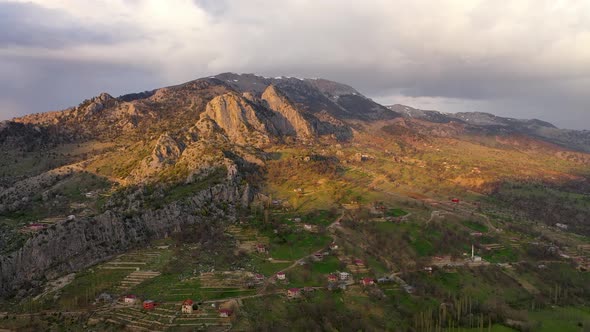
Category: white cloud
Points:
column 463, row 50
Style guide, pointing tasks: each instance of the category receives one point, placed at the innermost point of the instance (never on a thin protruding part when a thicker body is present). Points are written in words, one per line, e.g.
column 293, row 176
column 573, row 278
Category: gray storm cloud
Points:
column 525, row 58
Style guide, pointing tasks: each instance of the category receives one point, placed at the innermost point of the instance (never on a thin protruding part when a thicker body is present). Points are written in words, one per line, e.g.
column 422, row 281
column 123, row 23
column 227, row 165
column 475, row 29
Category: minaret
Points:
column 472, row 252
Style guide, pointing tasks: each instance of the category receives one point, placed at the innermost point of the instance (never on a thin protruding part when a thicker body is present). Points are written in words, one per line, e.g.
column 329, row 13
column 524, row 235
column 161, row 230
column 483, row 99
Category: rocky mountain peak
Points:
column 242, row 121
column 288, row 120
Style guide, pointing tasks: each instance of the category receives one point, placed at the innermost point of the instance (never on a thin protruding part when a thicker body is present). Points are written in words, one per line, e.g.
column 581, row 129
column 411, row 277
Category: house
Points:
column 293, row 293
column 187, row 306
column 332, row 278
column 261, row 248
column 367, row 281
column 281, row 276
column 562, row 226
column 477, row 234
column 149, row 304
column 359, row 262
column 344, row 275
column 455, row 200
column 36, row 227
column 258, row 277
column 104, row 297
column 307, row 227
column 333, row 246
column 225, row 313
column 130, row 299
column 296, row 219
column 318, row 256
column 428, row 269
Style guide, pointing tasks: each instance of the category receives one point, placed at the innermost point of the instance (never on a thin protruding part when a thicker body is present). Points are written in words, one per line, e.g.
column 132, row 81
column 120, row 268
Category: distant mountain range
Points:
column 479, row 122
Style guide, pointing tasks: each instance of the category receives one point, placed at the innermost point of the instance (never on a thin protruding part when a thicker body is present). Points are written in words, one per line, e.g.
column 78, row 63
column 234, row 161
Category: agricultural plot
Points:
column 135, row 278
column 166, row 316
column 174, row 288
column 225, row 279
column 248, row 238
column 354, row 265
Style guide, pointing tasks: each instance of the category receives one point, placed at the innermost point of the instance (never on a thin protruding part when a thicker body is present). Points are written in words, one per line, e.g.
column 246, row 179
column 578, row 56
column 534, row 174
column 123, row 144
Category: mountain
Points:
column 208, row 189
column 478, row 121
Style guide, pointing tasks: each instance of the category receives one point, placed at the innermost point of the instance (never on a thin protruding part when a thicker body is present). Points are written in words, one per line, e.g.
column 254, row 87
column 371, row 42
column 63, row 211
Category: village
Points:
column 137, row 291
column 281, row 276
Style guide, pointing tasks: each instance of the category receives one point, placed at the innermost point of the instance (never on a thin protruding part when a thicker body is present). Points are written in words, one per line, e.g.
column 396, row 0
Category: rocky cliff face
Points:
column 244, row 123
column 288, row 120
column 69, row 246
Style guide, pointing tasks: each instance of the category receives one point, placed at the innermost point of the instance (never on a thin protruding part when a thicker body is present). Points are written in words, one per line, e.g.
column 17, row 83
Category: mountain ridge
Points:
column 243, row 138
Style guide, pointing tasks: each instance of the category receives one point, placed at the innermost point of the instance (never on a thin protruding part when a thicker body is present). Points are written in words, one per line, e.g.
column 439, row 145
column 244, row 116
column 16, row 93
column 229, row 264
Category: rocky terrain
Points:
column 80, row 187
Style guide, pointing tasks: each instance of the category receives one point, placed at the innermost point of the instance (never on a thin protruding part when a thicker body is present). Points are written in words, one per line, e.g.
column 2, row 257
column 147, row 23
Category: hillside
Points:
column 478, row 122
column 208, row 189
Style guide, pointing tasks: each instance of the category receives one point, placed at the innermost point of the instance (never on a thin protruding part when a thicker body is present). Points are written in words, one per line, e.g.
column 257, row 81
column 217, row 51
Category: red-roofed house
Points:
column 225, row 313
column 187, row 306
column 149, row 304
column 367, row 281
column 36, row 227
column 281, row 276
column 293, row 293
column 359, row 262
column 332, row 278
column 259, row 277
column 261, row 248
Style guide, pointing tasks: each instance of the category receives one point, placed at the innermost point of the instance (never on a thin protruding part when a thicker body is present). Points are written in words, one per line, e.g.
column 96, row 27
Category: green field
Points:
column 561, row 319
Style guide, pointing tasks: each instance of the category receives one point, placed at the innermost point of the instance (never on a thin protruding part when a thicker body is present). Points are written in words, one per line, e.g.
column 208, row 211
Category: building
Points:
column 130, row 299
column 562, row 226
column 261, row 248
column 104, row 298
column 333, row 246
column 187, row 306
column 318, row 256
column 344, row 275
column 473, row 257
column 428, row 269
column 258, row 277
column 281, row 276
column 332, row 278
column 359, row 262
column 293, row 293
column 367, row 281
column 225, row 313
column 36, row 227
column 149, row 304
column 455, row 200
column 307, row 227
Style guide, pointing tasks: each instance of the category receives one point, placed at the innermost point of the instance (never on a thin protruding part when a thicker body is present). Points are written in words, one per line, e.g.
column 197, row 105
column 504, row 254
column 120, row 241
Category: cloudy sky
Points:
column 520, row 58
